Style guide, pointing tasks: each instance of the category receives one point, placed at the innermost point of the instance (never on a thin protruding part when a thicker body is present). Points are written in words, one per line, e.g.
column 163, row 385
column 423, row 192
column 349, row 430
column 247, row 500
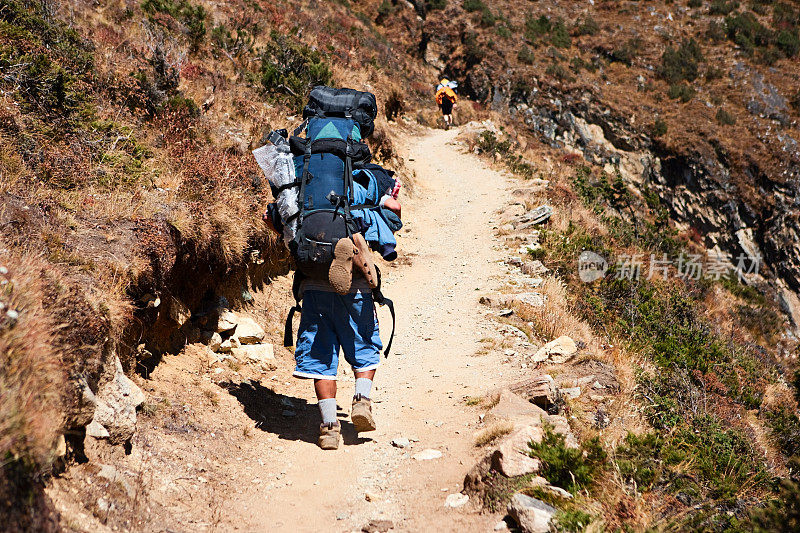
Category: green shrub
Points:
column 747, row 32
column 628, row 51
column 571, row 520
column 504, row 31
column 781, row 514
column 557, row 71
column 681, row 63
column 716, row 31
column 435, row 5
column 290, row 69
column 659, row 127
column 192, row 17
column 785, row 429
column 488, row 143
column 568, row 468
column 472, row 6
column 701, row 459
column 536, row 27
column 788, row 42
column 681, row 92
column 724, row 118
column 525, row 55
column 587, row 26
column 473, row 51
column 695, row 3
column 722, row 7
column 559, row 35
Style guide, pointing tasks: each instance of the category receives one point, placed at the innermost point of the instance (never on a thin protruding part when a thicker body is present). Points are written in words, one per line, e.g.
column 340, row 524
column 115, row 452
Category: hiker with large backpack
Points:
column 334, row 207
column 446, row 99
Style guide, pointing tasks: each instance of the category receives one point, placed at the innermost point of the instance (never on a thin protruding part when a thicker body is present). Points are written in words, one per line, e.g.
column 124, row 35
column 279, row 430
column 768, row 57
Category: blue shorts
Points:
column 329, row 321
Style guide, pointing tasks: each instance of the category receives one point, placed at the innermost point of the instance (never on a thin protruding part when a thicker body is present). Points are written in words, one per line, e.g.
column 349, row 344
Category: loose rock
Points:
column 427, row 455
column 456, row 500
column 511, row 457
column 248, row 331
column 532, row 515
column 401, row 443
column 117, row 401
column 514, row 409
column 226, row 321
column 556, row 351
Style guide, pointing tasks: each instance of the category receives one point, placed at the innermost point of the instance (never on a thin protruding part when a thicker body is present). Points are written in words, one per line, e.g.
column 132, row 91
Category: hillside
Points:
column 130, row 206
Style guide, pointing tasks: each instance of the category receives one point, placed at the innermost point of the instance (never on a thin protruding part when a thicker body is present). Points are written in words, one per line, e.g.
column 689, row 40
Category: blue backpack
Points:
column 324, row 163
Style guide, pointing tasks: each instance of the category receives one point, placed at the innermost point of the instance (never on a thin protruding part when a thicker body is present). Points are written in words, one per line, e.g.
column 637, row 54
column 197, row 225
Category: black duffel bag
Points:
column 329, row 102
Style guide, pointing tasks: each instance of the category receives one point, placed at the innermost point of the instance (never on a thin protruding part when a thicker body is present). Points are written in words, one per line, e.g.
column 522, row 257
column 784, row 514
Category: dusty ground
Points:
column 223, row 447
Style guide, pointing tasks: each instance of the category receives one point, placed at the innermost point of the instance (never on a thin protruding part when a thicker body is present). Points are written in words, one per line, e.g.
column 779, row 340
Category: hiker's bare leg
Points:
column 369, row 374
column 326, row 388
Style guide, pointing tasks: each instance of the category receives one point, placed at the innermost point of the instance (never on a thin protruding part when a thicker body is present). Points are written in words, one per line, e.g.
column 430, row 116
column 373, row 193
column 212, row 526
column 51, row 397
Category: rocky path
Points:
column 422, row 386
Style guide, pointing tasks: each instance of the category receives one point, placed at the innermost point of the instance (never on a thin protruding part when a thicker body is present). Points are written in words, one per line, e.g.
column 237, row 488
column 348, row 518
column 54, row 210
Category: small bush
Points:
column 488, row 143
column 628, row 51
column 724, row 118
column 557, row 71
column 504, row 31
column 659, row 128
column 747, row 32
column 695, row 3
column 587, row 26
column 722, row 7
column 781, row 514
column 788, row 42
column 536, row 27
column 473, row 51
column 525, row 55
column 681, row 92
column 785, row 429
column 435, row 5
column 568, row 468
column 681, row 63
column 559, row 35
column 192, row 17
column 289, row 69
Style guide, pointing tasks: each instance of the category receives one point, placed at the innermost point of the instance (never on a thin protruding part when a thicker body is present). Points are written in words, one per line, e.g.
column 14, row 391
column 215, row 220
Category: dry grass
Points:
column 32, row 376
column 492, row 433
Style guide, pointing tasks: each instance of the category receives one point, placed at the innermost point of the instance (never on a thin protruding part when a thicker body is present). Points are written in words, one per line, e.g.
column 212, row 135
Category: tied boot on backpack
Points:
column 340, row 275
column 363, row 260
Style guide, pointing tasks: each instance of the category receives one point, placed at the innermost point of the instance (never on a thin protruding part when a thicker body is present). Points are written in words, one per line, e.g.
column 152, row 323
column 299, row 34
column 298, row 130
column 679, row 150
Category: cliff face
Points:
column 680, row 100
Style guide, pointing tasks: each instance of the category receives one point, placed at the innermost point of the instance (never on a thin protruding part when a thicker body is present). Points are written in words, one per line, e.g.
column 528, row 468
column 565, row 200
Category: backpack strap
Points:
column 288, row 340
column 301, row 200
column 380, row 299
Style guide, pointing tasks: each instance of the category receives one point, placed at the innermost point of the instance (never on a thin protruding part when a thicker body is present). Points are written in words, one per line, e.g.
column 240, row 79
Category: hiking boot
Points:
column 361, row 415
column 329, row 435
column 363, row 260
column 340, row 273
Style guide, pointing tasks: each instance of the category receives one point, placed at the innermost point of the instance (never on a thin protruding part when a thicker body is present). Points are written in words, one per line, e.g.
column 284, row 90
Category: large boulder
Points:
column 540, row 390
column 115, row 414
column 532, row 515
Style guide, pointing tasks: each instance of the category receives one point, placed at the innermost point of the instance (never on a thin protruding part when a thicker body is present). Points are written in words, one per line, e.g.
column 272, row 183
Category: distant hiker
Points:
column 446, row 98
column 333, row 208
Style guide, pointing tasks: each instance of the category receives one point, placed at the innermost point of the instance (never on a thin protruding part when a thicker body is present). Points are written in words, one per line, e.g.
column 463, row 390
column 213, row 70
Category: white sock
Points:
column 363, row 387
column 327, row 408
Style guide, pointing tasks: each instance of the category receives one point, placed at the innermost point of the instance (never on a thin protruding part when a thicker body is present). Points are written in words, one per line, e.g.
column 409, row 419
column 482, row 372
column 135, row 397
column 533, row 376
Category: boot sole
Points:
column 363, row 260
column 363, row 423
column 340, row 273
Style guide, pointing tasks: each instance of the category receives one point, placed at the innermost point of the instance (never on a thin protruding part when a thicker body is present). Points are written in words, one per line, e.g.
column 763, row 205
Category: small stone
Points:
column 226, row 321
column 248, row 331
column 229, row 344
column 371, row 496
column 501, row 526
column 254, row 352
column 427, row 455
column 378, row 526
column 401, row 442
column 456, row 500
column 532, row 515
column 556, row 351
column 571, row 392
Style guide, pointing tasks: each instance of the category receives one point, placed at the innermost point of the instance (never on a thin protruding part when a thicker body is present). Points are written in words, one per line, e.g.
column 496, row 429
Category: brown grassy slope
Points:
column 731, row 146
column 125, row 134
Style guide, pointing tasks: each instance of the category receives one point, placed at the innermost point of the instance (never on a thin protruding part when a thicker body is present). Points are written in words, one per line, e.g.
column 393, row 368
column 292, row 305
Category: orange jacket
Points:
column 446, row 92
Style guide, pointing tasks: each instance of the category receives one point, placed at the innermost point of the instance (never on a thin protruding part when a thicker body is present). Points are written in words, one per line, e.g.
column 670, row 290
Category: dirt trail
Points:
column 421, row 387
column 229, row 446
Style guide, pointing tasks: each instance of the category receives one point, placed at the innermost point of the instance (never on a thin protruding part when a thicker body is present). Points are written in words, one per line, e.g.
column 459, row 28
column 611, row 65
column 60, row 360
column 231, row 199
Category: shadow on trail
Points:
column 271, row 413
